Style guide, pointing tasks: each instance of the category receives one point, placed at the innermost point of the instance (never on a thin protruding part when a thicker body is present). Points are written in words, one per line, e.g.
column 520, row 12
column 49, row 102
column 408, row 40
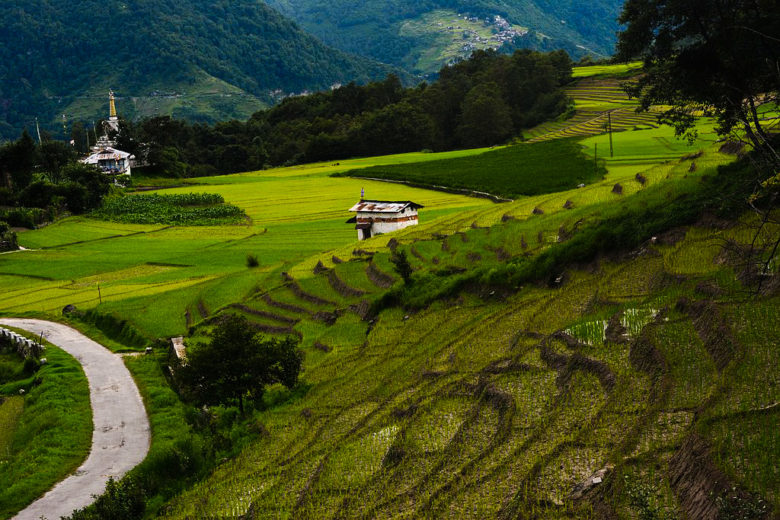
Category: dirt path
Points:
column 120, row 438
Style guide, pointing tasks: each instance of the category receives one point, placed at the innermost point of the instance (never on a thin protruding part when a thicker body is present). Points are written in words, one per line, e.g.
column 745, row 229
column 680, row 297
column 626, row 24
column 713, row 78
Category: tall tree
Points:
column 486, row 118
column 722, row 56
column 17, row 161
column 237, row 364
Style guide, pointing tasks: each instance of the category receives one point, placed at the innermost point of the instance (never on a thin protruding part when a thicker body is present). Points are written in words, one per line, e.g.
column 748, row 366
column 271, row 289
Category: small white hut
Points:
column 375, row 217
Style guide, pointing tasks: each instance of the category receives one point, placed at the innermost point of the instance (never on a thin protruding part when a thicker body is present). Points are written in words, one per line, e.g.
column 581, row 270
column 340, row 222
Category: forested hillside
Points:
column 382, row 29
column 483, row 101
column 200, row 60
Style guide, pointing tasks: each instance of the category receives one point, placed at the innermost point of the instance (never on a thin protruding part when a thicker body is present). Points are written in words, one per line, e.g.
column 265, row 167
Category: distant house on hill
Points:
column 375, row 217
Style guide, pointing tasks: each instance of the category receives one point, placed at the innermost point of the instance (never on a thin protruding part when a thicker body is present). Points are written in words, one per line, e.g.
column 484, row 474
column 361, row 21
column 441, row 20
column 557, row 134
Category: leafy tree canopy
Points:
column 238, row 364
column 721, row 56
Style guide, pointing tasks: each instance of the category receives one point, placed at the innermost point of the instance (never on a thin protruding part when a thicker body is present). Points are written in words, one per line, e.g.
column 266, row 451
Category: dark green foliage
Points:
column 165, row 46
column 186, row 209
column 485, row 119
column 38, row 182
column 54, row 156
column 738, row 505
column 123, row 500
column 481, row 101
column 524, row 169
column 716, row 55
column 17, row 161
column 97, row 185
column 401, row 265
column 7, row 237
column 27, row 217
column 237, row 364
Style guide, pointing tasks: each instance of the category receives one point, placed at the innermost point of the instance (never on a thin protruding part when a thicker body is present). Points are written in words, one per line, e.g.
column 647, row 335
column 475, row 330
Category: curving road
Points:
column 120, row 438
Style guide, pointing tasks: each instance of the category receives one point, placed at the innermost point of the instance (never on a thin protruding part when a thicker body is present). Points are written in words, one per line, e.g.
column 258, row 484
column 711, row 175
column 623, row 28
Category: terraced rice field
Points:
column 597, row 101
column 608, row 395
column 165, row 278
column 472, row 409
column 475, row 408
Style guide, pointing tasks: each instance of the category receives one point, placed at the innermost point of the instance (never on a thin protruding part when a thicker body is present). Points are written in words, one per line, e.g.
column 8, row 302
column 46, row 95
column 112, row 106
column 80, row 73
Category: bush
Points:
column 27, row 217
column 401, row 265
column 123, row 500
column 31, row 366
column 115, row 328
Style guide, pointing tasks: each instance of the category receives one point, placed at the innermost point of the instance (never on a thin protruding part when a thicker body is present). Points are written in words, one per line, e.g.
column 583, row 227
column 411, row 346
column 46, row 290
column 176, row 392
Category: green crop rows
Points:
column 182, row 209
column 509, row 172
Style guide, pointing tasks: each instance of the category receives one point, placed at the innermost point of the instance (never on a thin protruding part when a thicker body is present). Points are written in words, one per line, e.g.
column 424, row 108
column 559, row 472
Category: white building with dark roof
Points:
column 376, row 217
column 111, row 161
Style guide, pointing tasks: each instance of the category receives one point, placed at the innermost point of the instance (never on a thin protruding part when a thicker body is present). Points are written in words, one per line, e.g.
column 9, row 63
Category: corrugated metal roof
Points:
column 107, row 154
column 384, row 206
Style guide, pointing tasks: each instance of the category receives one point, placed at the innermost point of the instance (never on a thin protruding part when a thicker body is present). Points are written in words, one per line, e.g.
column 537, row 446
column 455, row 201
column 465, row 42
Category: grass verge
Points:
column 53, row 432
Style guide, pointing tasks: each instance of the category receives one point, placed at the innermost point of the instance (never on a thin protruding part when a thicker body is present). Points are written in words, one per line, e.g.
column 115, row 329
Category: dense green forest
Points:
column 40, row 181
column 479, row 102
column 374, row 29
column 200, row 60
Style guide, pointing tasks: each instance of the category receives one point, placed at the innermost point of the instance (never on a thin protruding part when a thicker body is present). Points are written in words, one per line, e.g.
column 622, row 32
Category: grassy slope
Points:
column 460, row 410
column 443, row 33
column 52, row 435
column 295, row 212
column 457, row 410
column 510, row 172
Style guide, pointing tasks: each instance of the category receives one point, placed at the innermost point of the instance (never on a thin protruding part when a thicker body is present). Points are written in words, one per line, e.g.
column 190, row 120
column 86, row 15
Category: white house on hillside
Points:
column 375, row 217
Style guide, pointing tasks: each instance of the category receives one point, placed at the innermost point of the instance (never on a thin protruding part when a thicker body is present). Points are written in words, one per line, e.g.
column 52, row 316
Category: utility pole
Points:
column 609, row 118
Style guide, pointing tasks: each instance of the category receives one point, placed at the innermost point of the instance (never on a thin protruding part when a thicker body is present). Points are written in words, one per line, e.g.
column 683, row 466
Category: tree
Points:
column 96, row 184
column 723, row 57
column 401, row 265
column 17, row 161
column 486, row 118
column 237, row 364
column 54, row 155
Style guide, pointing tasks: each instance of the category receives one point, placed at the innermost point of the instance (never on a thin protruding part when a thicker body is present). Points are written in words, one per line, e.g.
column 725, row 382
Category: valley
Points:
column 486, row 259
column 472, row 392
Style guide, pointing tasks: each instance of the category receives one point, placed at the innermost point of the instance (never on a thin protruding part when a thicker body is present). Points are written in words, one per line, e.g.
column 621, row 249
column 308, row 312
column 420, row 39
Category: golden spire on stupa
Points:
column 111, row 105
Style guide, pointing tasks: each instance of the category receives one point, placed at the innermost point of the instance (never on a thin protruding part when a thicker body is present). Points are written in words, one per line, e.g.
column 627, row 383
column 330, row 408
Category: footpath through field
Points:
column 121, row 435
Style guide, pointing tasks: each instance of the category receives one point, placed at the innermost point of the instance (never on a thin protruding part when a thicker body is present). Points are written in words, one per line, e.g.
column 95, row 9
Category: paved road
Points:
column 120, row 438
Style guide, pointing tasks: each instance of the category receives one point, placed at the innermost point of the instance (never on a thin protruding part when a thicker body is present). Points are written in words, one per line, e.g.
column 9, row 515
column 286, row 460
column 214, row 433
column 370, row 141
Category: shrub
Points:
column 401, row 265
column 123, row 500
